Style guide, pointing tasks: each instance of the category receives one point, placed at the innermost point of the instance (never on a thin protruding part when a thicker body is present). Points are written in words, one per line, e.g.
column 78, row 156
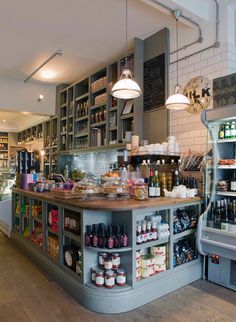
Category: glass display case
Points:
column 217, row 225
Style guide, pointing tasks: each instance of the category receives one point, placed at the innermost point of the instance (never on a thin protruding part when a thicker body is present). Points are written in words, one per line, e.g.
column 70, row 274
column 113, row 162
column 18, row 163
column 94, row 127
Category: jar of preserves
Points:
column 109, row 279
column 121, row 277
column 141, row 191
column 93, row 273
column 99, row 280
column 115, row 261
column 108, row 263
column 147, row 261
column 101, row 258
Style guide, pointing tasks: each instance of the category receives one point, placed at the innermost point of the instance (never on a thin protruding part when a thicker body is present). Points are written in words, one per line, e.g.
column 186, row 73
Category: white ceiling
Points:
column 89, row 32
column 16, row 122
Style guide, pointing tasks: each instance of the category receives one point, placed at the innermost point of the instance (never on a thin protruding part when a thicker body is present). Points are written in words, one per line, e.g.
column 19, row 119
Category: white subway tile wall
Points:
column 213, row 63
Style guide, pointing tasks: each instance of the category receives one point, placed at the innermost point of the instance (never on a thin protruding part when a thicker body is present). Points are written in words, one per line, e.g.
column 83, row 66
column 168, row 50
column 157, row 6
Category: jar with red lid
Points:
column 121, row 277
column 99, row 280
column 109, row 279
column 108, row 263
column 115, row 260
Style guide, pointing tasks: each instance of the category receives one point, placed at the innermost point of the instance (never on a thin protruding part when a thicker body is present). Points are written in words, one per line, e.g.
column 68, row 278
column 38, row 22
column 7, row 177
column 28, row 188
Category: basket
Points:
column 65, row 194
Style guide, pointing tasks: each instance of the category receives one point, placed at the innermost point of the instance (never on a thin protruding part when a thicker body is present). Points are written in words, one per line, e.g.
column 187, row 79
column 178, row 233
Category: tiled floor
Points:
column 26, row 294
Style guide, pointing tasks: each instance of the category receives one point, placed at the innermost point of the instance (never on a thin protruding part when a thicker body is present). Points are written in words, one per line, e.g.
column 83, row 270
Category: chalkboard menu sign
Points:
column 154, row 83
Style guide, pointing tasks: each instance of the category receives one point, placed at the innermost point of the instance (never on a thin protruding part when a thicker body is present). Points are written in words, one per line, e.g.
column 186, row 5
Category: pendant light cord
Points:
column 126, row 33
column 177, row 51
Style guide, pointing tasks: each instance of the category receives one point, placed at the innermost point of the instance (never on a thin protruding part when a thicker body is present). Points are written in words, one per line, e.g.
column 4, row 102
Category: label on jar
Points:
column 99, row 280
column 157, row 191
column 120, row 279
column 152, row 191
column 110, row 281
column 116, row 262
column 101, row 260
column 108, row 265
column 93, row 277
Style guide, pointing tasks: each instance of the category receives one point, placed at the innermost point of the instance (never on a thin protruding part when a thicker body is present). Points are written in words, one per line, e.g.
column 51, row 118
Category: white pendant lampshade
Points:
column 177, row 101
column 126, row 87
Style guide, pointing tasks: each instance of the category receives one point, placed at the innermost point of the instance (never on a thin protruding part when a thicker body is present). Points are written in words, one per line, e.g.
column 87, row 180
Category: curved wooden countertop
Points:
column 105, row 204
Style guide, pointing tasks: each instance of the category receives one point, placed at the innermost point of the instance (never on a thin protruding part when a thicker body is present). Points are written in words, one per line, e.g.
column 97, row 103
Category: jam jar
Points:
column 121, row 277
column 108, row 263
column 115, row 260
column 109, row 279
column 99, row 280
column 101, row 258
column 141, row 191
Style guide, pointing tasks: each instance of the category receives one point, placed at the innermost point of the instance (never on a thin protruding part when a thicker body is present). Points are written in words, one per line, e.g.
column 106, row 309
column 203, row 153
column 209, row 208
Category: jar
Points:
column 138, row 254
column 160, row 268
column 147, row 261
column 121, row 277
column 162, row 179
column 169, row 181
column 109, row 279
column 160, row 260
column 99, row 280
column 158, row 250
column 101, row 258
column 108, row 263
column 141, row 191
column 147, row 272
column 115, row 261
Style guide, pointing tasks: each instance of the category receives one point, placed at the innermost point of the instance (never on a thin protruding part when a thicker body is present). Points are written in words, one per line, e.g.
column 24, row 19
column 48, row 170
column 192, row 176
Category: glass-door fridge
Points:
column 217, row 225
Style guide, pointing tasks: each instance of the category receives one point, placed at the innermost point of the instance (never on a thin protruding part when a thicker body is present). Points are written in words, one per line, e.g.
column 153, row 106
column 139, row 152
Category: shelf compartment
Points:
column 152, row 243
column 101, row 88
column 107, row 250
column 113, row 128
column 115, row 289
column 49, row 229
column 113, row 108
column 72, row 236
column 98, row 124
column 82, row 118
column 81, row 97
column 185, row 233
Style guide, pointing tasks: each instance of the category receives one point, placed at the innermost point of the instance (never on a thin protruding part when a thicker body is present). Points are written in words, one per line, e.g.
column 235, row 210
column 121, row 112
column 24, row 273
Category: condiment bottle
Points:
column 115, row 261
column 110, row 240
column 154, row 230
column 102, row 237
column 144, row 232
column 99, row 279
column 139, row 239
column 109, row 279
column 88, row 236
column 95, row 236
column 121, row 277
column 149, row 231
column 124, row 238
column 117, row 238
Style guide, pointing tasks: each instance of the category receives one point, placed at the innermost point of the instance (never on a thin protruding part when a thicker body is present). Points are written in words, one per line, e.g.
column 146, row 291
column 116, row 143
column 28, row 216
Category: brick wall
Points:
column 212, row 63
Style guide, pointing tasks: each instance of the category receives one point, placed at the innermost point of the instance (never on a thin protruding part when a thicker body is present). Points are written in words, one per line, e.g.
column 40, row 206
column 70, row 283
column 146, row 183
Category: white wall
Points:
column 15, row 95
column 212, row 63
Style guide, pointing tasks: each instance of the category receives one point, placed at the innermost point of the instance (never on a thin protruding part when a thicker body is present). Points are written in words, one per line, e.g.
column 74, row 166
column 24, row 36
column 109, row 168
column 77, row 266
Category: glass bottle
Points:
column 144, row 232
column 151, row 186
column 154, row 230
column 102, row 237
column 233, row 130
column 149, row 231
column 124, row 239
column 110, row 239
column 176, row 178
column 157, row 184
column 88, row 236
column 139, row 239
column 227, row 130
column 95, row 236
column 117, row 238
column 217, row 215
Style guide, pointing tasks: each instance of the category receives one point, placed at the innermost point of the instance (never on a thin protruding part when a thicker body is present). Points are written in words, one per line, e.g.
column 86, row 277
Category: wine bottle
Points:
column 157, row 184
column 151, row 186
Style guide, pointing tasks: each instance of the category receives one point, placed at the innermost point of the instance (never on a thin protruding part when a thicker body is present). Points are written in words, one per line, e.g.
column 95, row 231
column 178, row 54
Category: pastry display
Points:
column 87, row 186
column 115, row 187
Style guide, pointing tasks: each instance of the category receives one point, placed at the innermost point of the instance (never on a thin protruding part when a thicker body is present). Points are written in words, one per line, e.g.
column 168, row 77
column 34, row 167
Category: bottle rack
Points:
column 90, row 117
column 68, row 238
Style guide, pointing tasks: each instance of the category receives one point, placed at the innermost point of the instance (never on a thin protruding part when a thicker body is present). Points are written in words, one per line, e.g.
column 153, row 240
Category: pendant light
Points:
column 126, row 87
column 177, row 101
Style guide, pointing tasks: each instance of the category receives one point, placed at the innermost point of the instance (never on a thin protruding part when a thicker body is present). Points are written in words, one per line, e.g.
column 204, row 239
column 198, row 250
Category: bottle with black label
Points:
column 151, row 186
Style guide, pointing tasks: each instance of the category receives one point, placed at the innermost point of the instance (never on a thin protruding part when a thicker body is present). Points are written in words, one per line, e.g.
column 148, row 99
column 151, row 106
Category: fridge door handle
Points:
column 218, row 244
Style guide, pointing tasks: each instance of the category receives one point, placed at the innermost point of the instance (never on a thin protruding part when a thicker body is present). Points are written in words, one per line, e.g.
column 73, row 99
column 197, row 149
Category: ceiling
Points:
column 16, row 122
column 89, row 32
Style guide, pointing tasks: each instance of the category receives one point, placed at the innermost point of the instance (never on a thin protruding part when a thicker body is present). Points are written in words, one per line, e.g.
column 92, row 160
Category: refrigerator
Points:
column 216, row 236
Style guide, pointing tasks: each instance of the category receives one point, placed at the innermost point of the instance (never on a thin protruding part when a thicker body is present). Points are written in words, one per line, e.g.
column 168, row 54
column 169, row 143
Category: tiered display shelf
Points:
column 127, row 212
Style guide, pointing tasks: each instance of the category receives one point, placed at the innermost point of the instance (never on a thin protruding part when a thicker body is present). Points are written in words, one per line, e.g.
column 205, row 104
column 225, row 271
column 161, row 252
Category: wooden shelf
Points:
column 98, row 124
column 63, row 133
column 70, row 116
column 107, row 250
column 99, row 89
column 63, row 105
column 97, row 106
column 81, row 135
column 93, row 149
column 82, row 118
column 78, row 98
column 63, row 118
column 70, row 133
column 127, row 116
column 227, row 140
column 184, row 233
column 113, row 128
column 113, row 108
column 72, row 236
column 152, row 243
